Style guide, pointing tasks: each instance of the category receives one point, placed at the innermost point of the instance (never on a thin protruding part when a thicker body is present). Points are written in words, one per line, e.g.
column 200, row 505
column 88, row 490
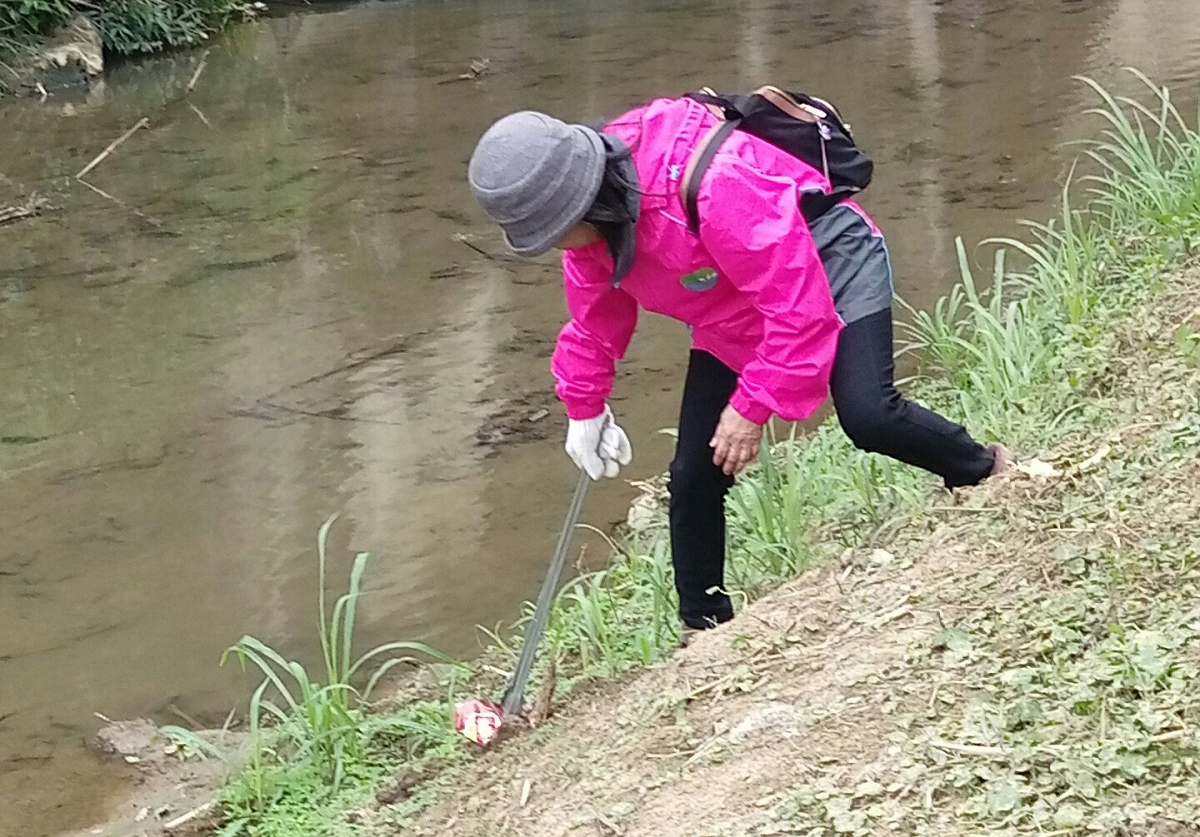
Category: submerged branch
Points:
column 112, row 146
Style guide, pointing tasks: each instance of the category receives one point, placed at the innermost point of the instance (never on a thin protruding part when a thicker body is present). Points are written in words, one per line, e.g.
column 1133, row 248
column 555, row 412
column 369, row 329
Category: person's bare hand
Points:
column 736, row 442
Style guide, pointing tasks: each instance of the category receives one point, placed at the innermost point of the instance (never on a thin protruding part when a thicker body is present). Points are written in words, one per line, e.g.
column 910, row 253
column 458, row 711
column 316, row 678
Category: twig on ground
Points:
column 937, row 689
column 112, row 146
column 609, row 824
column 703, row 749
column 188, row 817
column 891, row 616
column 713, row 684
column 970, row 749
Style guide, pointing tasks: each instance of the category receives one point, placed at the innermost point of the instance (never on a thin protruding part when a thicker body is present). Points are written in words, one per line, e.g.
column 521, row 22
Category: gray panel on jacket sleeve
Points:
column 856, row 263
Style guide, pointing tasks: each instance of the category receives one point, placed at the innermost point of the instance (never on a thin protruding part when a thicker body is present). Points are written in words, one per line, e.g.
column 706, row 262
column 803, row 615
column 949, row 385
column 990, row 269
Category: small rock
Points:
column 622, row 810
column 780, row 720
column 868, row 788
column 1036, row 469
column 72, row 55
column 130, row 739
column 643, row 513
column 881, row 557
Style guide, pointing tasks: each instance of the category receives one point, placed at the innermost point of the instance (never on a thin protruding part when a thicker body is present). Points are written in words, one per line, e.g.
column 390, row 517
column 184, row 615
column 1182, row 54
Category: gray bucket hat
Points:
column 536, row 176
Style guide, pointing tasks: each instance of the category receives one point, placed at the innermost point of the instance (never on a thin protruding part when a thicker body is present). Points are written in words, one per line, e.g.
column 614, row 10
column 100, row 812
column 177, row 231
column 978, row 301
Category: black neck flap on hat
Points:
column 617, row 205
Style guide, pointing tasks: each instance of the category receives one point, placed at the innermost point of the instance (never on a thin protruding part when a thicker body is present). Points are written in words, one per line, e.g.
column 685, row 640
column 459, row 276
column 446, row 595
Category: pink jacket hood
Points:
column 769, row 315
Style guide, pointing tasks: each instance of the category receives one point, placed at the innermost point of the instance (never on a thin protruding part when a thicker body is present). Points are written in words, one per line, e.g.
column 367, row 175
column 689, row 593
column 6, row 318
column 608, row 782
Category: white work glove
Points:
column 598, row 445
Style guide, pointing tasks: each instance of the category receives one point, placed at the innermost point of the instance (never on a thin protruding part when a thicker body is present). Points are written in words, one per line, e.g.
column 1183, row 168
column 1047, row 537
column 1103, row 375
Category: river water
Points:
column 286, row 314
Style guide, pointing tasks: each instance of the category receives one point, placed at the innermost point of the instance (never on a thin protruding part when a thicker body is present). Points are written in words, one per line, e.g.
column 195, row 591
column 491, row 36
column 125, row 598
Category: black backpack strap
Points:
column 698, row 164
column 725, row 104
column 736, row 110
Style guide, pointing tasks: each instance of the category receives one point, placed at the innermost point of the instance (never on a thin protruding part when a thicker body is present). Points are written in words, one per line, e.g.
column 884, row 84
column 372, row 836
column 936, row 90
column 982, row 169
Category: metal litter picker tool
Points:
column 480, row 720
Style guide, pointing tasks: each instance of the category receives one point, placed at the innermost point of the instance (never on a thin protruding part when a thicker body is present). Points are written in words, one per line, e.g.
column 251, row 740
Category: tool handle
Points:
column 515, row 693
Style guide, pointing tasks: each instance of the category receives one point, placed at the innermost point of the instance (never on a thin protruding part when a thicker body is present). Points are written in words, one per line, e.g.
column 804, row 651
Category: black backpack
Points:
column 806, row 127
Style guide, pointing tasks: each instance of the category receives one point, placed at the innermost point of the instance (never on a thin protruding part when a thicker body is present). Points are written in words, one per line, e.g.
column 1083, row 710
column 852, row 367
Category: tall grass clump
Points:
column 130, row 27
column 808, row 496
column 612, row 619
column 315, row 728
column 1150, row 162
column 1020, row 357
column 127, row 27
column 21, row 23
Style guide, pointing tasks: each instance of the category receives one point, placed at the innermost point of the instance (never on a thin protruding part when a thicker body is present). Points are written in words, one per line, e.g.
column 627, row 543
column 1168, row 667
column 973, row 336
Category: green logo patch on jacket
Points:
column 703, row 279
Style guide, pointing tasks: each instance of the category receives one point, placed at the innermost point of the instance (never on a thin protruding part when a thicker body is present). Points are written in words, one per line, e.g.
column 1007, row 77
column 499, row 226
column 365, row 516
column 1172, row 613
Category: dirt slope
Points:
column 1020, row 660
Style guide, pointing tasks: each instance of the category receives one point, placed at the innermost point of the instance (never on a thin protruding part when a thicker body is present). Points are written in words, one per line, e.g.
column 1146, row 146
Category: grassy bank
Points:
column 128, row 27
column 1027, row 645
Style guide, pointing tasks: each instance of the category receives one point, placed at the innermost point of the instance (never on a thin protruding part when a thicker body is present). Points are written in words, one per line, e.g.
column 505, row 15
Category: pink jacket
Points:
column 770, row 316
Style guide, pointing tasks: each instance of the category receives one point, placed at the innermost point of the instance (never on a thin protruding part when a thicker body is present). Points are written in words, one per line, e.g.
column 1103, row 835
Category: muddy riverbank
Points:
column 304, row 331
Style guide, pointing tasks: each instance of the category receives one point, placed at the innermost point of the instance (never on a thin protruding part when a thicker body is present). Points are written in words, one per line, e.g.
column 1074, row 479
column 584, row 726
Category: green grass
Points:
column 311, row 736
column 1025, row 358
column 128, row 27
column 23, row 22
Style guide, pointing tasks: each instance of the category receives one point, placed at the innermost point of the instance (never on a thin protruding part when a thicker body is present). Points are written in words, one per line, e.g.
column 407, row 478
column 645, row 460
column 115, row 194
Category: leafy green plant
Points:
column 126, row 26
column 1024, row 338
column 320, row 722
column 622, row 615
column 24, row 22
column 770, row 513
column 1149, row 156
column 134, row 26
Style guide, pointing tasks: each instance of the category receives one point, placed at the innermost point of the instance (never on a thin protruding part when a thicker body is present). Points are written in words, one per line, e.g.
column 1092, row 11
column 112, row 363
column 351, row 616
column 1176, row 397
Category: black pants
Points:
column 871, row 411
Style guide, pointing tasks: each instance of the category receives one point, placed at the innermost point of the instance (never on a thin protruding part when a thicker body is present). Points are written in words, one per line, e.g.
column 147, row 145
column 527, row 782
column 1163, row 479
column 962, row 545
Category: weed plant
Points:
column 127, row 26
column 310, row 733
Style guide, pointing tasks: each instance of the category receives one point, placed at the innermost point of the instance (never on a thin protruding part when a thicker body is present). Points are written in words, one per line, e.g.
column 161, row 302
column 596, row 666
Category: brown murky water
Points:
column 299, row 331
